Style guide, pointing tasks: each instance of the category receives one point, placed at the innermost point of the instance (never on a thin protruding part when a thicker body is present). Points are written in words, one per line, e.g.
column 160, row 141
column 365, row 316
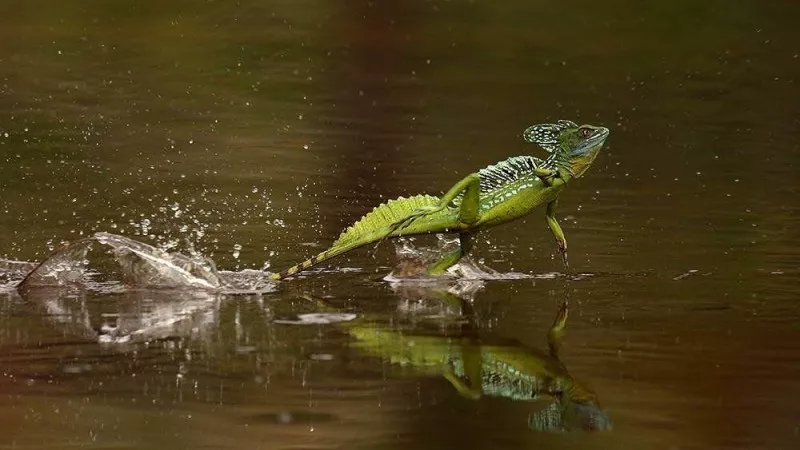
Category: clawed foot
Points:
column 547, row 178
column 562, row 249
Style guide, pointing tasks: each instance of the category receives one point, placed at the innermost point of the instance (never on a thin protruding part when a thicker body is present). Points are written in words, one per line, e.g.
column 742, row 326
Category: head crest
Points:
column 545, row 135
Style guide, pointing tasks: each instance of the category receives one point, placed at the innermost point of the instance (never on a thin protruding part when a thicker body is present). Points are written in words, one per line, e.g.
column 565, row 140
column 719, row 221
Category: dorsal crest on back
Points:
column 508, row 171
column 544, row 135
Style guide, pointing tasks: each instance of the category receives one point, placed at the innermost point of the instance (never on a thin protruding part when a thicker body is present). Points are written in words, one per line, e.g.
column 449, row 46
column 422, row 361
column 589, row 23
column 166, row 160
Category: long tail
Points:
column 313, row 261
column 374, row 226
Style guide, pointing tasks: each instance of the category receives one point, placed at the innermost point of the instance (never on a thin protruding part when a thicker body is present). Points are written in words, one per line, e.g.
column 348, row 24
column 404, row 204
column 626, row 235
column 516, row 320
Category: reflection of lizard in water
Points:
column 477, row 369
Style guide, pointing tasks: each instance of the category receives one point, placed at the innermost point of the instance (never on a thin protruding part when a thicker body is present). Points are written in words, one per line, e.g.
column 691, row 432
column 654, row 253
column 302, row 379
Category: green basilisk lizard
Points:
column 497, row 194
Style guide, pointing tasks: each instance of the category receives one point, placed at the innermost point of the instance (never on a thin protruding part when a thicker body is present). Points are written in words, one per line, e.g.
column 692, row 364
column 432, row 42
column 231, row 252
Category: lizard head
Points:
column 574, row 145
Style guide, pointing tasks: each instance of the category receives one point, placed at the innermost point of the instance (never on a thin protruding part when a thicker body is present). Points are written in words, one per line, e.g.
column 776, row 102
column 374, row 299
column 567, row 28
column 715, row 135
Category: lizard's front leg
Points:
column 557, row 232
column 546, row 175
column 556, row 333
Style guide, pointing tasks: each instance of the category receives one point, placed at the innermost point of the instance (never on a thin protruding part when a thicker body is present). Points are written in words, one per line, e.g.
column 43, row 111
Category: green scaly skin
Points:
column 493, row 196
column 477, row 369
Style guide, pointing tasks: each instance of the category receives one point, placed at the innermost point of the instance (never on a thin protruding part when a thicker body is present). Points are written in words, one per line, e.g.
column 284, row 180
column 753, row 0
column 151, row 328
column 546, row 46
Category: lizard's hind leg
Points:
column 453, row 257
column 468, row 214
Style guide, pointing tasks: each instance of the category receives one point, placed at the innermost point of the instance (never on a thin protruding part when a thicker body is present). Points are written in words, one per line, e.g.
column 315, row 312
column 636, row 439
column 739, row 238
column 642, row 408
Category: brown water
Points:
column 253, row 133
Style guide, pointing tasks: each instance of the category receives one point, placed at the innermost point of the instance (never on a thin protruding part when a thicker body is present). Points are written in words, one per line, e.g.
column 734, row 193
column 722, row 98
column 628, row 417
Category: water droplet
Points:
column 145, row 224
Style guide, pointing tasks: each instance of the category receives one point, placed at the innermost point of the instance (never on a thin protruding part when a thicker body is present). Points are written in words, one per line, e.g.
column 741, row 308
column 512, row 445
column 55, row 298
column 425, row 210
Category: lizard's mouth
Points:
column 593, row 142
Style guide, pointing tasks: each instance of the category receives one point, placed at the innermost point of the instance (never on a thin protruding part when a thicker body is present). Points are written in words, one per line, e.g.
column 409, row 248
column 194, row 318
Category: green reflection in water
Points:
column 476, row 368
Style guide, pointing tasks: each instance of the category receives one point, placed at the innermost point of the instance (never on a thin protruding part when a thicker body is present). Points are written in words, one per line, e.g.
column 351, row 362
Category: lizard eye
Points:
column 585, row 132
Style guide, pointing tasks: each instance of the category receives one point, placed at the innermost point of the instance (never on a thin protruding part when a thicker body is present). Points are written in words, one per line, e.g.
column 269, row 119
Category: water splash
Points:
column 13, row 272
column 67, row 267
column 140, row 266
column 246, row 281
column 414, row 260
column 146, row 266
